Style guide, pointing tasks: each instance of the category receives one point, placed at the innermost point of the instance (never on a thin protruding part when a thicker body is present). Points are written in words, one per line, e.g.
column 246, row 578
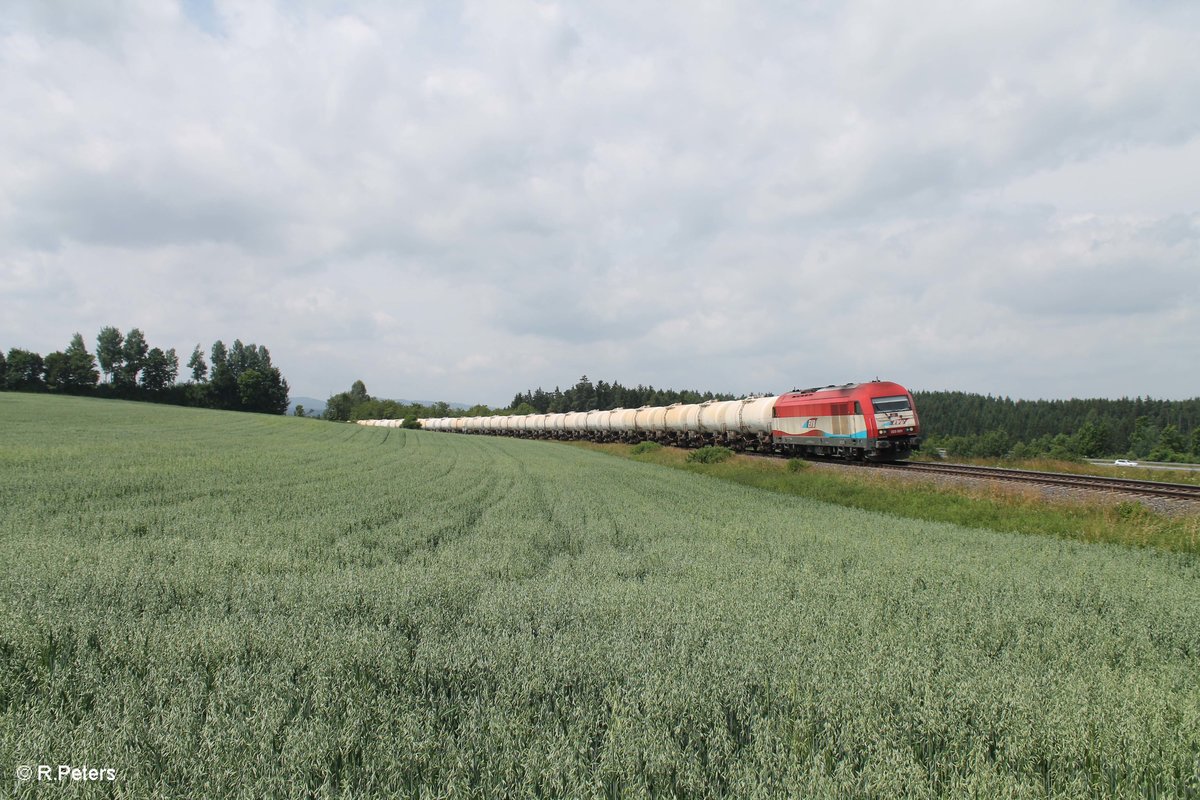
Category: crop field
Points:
column 213, row 604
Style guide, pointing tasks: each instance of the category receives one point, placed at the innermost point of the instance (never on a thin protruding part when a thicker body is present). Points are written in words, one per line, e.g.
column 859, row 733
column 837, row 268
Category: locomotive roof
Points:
column 843, row 389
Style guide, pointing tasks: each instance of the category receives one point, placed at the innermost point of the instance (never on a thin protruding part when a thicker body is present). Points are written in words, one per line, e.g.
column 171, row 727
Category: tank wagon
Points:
column 875, row 421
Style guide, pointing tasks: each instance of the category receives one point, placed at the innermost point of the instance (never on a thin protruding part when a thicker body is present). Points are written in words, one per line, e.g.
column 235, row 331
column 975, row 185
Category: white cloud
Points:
column 464, row 201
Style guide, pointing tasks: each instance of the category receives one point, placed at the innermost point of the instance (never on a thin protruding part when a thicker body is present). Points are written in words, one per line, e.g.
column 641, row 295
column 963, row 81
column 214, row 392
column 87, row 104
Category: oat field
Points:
column 213, row 604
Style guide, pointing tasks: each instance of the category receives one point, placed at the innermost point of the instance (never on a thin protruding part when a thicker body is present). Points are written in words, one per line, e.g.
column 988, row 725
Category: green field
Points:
column 231, row 605
column 1015, row 509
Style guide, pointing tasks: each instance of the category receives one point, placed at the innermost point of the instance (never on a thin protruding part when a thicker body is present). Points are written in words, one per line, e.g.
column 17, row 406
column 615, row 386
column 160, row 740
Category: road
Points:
column 1148, row 465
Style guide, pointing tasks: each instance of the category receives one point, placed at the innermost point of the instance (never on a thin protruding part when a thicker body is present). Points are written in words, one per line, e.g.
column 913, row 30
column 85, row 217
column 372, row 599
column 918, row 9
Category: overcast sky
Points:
column 465, row 200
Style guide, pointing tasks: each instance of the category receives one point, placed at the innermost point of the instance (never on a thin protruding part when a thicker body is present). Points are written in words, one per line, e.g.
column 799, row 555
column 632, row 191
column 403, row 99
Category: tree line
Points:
column 583, row 396
column 240, row 377
column 1141, row 427
column 603, row 396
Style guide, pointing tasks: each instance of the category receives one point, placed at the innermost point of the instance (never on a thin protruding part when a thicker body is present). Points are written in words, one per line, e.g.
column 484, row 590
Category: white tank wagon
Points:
column 624, row 422
column 650, row 421
column 718, row 417
column 683, row 420
column 526, row 426
column 596, row 422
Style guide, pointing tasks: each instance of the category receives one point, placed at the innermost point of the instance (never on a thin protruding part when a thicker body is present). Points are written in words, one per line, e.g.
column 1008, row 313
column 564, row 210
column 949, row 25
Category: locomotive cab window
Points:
column 885, row 404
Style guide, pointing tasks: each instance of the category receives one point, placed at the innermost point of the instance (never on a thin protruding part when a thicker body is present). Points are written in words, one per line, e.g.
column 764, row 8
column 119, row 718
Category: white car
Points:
column 1124, row 462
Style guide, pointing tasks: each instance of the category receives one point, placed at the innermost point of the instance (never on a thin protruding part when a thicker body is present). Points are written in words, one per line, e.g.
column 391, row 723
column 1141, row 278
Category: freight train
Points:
column 873, row 421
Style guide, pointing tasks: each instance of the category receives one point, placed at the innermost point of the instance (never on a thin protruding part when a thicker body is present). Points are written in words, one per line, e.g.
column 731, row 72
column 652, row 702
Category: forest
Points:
column 1141, row 427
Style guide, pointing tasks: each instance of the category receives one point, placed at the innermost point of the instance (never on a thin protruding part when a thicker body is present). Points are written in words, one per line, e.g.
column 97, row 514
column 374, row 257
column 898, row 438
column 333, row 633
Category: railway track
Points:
column 1175, row 491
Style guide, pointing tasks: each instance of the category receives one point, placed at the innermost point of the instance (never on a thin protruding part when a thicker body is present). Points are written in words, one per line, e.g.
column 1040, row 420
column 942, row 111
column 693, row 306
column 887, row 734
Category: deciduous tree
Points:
column 338, row 407
column 223, row 383
column 133, row 355
column 57, row 370
column 1090, row 439
column 264, row 391
column 110, row 351
column 156, row 371
column 1172, row 440
column 1144, row 438
column 197, row 365
column 25, row 370
column 81, row 365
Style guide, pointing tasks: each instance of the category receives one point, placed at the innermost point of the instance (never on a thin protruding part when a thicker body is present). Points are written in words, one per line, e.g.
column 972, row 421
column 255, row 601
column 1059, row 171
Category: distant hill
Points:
column 311, row 405
column 459, row 406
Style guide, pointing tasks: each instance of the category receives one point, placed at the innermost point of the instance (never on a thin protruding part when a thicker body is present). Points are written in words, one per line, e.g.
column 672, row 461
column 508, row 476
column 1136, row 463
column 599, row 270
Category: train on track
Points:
column 875, row 421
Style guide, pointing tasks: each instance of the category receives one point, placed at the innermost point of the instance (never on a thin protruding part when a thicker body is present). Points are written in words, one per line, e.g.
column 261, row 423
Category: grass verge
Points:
column 995, row 506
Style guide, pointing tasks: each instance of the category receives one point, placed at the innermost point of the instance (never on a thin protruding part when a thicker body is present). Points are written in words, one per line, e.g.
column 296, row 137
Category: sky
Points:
column 464, row 200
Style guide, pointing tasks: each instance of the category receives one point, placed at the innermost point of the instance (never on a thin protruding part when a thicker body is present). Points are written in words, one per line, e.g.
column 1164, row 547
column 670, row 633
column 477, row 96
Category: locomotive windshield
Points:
column 886, row 404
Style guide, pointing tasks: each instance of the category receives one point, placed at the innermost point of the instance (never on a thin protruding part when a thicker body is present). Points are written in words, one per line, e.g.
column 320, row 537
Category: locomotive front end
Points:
column 893, row 427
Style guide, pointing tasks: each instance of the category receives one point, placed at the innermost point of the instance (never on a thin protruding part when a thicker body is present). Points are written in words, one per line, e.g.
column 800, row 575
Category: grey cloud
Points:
column 1109, row 290
column 119, row 210
column 1107, row 269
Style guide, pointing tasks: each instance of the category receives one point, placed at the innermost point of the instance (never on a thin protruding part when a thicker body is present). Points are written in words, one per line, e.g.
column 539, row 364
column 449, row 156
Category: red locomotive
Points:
column 876, row 420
